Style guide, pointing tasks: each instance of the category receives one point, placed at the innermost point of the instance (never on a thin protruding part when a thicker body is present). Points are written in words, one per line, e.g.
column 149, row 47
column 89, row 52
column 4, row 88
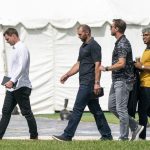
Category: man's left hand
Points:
column 138, row 65
column 96, row 89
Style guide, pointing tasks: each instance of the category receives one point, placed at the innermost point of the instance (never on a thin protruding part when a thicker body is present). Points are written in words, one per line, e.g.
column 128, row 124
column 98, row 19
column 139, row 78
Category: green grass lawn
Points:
column 87, row 117
column 75, row 145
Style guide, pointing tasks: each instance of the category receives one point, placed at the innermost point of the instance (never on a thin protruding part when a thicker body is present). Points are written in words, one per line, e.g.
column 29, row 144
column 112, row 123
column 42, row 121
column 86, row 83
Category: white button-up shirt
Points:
column 19, row 69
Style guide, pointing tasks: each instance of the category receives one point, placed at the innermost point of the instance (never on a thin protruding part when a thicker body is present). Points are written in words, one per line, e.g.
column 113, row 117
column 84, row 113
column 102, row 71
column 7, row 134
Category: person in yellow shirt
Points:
column 144, row 66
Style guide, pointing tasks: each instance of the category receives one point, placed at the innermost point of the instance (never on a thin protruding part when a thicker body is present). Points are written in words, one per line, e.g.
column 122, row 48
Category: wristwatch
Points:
column 97, row 82
column 106, row 68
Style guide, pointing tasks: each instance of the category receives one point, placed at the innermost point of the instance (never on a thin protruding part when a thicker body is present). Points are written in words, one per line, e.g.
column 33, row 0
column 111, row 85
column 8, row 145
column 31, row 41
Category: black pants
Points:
column 20, row 97
column 143, row 108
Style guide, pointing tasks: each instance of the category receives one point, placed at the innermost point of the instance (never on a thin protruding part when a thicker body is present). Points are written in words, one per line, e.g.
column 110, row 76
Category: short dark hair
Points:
column 11, row 31
column 85, row 27
column 120, row 24
column 146, row 30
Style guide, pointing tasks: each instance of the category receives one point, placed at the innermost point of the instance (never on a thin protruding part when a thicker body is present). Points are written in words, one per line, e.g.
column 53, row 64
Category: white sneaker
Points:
column 135, row 134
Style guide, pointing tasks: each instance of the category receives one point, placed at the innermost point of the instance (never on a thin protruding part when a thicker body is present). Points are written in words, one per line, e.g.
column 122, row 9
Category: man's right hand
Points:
column 9, row 84
column 102, row 68
column 64, row 78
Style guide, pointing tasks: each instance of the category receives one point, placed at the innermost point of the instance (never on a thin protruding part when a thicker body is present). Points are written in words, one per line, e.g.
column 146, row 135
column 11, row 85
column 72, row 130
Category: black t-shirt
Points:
column 123, row 49
column 89, row 54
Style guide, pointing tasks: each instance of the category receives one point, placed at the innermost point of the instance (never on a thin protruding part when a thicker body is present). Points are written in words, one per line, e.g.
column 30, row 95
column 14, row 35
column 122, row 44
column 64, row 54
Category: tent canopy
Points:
column 66, row 13
column 48, row 28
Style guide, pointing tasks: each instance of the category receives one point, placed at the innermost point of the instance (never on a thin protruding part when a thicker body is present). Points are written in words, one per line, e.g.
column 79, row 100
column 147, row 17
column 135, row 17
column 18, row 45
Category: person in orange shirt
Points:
column 144, row 66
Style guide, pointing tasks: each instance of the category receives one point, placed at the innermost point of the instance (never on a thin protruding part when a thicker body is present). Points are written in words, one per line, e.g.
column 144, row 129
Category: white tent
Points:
column 48, row 27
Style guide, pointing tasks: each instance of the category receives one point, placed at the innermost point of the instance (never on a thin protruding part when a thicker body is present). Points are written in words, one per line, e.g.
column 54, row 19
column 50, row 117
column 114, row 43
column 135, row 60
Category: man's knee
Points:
column 123, row 114
column 111, row 108
column 98, row 113
column 6, row 112
column 26, row 113
column 77, row 112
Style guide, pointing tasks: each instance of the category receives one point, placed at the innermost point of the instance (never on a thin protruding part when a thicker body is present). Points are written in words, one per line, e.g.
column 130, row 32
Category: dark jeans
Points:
column 20, row 97
column 143, row 108
column 83, row 99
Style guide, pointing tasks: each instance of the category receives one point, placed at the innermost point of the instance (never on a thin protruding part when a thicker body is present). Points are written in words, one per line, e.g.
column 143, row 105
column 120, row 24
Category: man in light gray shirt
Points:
column 19, row 76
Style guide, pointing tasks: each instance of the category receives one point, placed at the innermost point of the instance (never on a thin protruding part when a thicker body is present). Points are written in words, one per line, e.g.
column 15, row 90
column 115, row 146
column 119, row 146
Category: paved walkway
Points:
column 18, row 129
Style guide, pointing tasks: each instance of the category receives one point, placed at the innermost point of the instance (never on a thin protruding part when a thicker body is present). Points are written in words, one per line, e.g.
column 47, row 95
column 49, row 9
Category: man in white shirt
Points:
column 19, row 76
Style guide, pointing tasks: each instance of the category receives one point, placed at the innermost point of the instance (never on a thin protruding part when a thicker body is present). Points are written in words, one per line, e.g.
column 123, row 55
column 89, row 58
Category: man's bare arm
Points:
column 97, row 78
column 71, row 72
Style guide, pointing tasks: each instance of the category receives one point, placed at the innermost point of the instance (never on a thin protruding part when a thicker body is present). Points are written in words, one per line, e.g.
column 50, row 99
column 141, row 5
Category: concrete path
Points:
column 18, row 129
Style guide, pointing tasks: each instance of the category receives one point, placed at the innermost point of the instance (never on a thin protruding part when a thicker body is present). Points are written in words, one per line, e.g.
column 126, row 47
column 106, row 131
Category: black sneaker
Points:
column 61, row 138
column 34, row 138
column 106, row 138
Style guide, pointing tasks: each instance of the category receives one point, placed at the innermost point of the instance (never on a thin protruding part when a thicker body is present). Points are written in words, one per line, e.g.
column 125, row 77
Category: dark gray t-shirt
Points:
column 123, row 49
column 89, row 54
